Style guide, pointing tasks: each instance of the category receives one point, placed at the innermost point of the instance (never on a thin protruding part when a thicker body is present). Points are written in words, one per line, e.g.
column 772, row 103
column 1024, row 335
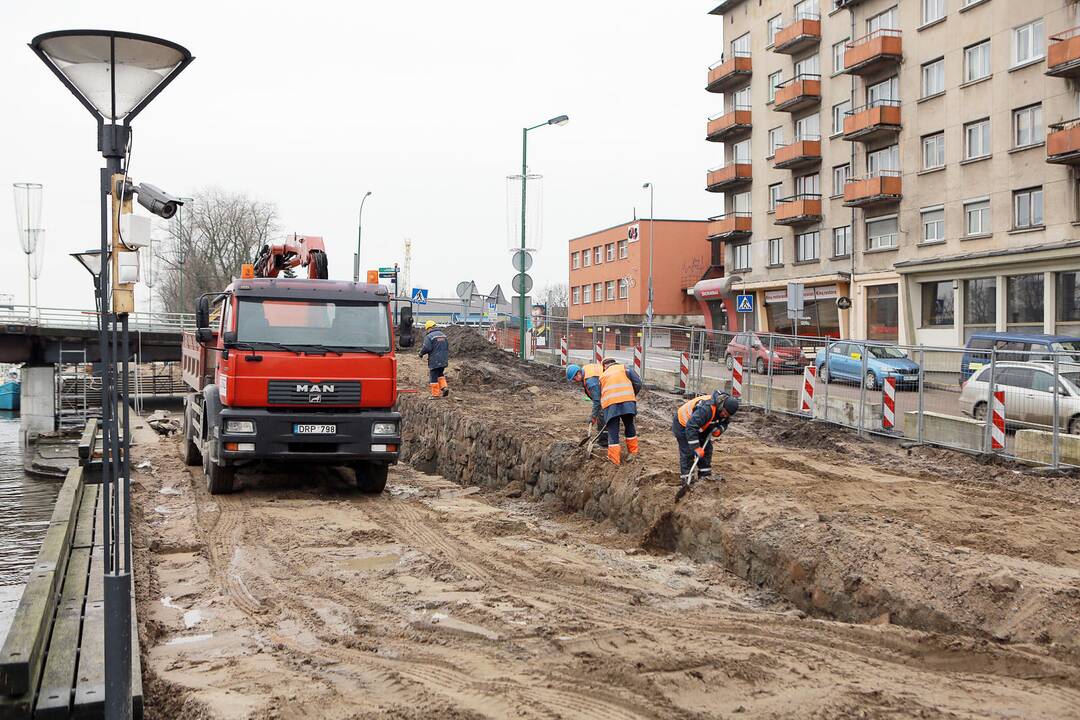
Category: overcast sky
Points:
column 309, row 104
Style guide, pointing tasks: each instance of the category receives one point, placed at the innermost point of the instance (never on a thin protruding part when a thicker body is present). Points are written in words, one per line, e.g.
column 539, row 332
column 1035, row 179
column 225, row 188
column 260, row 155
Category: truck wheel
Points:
column 371, row 476
column 189, row 449
column 219, row 478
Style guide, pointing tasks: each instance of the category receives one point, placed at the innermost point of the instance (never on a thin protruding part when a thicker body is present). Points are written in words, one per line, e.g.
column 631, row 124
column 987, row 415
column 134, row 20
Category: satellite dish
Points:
column 464, row 290
column 522, row 257
column 516, row 284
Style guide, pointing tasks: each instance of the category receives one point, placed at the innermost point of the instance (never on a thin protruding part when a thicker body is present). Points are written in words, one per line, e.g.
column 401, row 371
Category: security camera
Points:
column 157, row 200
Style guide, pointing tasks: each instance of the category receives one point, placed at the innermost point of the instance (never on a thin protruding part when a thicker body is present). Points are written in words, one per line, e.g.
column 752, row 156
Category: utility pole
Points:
column 359, row 231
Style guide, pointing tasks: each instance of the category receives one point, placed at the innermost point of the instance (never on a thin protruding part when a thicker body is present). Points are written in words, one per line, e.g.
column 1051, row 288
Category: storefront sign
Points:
column 809, row 294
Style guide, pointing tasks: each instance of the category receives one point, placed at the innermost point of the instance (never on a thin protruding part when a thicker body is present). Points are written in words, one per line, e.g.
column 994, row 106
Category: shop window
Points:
column 937, row 304
column 1024, row 302
column 882, row 312
column 980, row 305
column 1068, row 303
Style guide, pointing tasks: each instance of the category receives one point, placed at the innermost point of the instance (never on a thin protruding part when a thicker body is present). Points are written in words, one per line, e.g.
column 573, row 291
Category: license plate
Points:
column 299, row 429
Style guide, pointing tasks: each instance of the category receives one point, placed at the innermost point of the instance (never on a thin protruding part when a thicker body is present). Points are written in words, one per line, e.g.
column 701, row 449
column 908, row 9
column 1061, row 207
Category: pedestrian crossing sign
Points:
column 744, row 303
column 419, row 296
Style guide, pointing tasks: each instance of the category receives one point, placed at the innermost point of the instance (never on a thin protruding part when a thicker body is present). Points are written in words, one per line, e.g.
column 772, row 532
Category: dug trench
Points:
column 844, row 528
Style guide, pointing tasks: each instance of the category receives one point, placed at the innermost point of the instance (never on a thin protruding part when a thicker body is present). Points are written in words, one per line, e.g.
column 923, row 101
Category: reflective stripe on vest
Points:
column 688, row 407
column 615, row 387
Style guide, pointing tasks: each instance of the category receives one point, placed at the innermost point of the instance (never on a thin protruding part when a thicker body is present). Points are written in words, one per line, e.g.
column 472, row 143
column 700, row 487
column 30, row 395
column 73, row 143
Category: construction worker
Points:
column 694, row 422
column 589, row 377
column 619, row 386
column 437, row 349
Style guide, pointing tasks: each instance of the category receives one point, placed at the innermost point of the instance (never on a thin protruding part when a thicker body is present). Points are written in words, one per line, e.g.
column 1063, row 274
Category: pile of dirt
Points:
column 470, row 342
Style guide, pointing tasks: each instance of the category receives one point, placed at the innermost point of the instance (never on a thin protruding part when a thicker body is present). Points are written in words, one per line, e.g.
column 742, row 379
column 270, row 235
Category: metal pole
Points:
column 1057, row 417
column 826, row 372
column 922, row 380
column 768, row 391
column 652, row 244
column 990, row 400
column 359, row 230
column 862, row 390
column 521, row 272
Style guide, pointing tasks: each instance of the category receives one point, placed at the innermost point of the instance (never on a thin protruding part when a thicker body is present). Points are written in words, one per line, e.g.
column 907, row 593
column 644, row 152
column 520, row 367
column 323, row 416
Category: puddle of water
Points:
column 371, row 562
column 191, row 617
column 162, row 510
column 443, row 621
column 189, row 639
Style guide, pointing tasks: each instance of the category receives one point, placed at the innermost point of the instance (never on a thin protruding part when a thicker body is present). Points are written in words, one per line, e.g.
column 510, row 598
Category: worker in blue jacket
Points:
column 588, row 376
column 694, row 422
column 437, row 349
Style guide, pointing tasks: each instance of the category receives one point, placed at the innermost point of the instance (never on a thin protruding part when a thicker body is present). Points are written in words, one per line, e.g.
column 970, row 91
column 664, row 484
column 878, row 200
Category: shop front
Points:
column 717, row 300
column 821, row 316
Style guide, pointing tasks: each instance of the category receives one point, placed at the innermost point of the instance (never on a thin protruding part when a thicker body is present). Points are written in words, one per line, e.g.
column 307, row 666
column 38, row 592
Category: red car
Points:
column 753, row 349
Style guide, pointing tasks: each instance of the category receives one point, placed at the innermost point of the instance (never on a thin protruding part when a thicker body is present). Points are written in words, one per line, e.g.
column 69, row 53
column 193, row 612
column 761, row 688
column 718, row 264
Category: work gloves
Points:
column 717, row 432
column 700, row 452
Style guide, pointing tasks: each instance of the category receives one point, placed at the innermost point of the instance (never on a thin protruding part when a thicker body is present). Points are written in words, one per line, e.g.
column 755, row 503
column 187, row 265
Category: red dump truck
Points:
column 291, row 369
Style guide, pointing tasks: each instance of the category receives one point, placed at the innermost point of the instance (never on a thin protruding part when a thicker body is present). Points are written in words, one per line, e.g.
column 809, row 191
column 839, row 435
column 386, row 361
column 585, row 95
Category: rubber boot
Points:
column 442, row 386
column 435, row 391
column 632, row 445
column 613, row 454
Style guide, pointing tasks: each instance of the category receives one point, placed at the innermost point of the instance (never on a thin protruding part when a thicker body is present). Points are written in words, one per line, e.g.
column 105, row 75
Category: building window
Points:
column 881, row 232
column 808, row 128
column 740, row 46
column 808, row 66
column 977, row 139
column 597, row 255
column 883, row 312
column 839, row 112
column 806, row 10
column 1028, row 126
column 977, row 61
column 741, row 202
column 775, row 192
column 937, row 304
column 838, row 55
column 740, row 99
column 740, row 151
column 624, row 288
column 610, row 249
column 841, row 241
column 808, row 184
column 886, row 92
column 588, row 293
column 882, row 21
column 977, row 217
column 933, row 224
column 885, row 159
column 776, row 251
column 933, row 151
column 577, row 294
column 980, row 305
column 776, row 140
column 775, row 79
column 598, row 292
column 1068, row 303
column 840, row 175
column 807, row 246
column 1028, row 208
column 624, row 249
column 586, row 258
column 741, row 256
column 1024, row 302
column 1029, row 42
column 610, row 288
column 932, row 10
column 773, row 26
column 933, row 77
column 575, row 260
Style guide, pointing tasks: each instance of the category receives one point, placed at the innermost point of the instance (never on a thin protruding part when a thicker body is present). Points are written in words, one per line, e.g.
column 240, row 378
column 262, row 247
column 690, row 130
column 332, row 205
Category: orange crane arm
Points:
column 307, row 252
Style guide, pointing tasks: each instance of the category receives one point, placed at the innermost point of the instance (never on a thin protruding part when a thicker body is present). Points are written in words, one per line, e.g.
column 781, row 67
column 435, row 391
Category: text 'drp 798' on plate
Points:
column 299, row 429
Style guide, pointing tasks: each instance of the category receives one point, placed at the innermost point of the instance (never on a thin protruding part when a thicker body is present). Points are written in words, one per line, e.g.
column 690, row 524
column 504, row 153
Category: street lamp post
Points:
column 560, row 120
column 114, row 75
column 359, row 229
column 652, row 244
column 182, row 247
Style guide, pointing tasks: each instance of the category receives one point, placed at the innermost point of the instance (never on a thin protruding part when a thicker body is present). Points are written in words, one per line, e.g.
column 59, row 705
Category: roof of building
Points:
column 724, row 7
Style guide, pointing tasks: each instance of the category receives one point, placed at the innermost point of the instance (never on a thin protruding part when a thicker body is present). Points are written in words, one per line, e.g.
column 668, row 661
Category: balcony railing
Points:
column 1063, row 55
column 806, row 150
column 801, row 91
column 868, row 53
column 729, row 176
column 729, row 73
column 798, row 209
column 870, row 122
column 727, row 125
column 1063, row 143
column 730, row 226
column 802, row 34
column 881, row 187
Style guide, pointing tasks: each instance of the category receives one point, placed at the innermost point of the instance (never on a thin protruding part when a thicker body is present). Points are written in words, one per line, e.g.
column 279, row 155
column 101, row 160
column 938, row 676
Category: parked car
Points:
column 1014, row 347
column 845, row 362
column 1029, row 394
column 753, row 348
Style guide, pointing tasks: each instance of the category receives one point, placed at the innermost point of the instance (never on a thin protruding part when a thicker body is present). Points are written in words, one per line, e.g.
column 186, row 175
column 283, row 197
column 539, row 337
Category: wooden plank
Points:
column 84, row 522
column 95, row 591
column 89, row 700
column 87, row 440
column 54, row 693
column 75, row 579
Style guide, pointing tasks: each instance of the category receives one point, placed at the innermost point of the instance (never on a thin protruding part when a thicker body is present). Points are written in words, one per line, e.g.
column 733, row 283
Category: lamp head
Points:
column 91, row 260
column 561, row 120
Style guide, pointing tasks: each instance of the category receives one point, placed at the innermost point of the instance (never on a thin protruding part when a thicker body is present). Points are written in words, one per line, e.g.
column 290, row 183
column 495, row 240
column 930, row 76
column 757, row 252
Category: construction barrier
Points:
column 684, row 372
column 997, row 426
column 637, row 359
column 888, row 403
column 736, row 376
column 493, row 335
column 563, row 352
column 598, row 353
column 806, row 403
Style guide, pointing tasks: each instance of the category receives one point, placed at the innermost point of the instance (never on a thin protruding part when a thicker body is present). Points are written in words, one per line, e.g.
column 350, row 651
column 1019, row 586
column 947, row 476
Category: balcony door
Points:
column 883, row 160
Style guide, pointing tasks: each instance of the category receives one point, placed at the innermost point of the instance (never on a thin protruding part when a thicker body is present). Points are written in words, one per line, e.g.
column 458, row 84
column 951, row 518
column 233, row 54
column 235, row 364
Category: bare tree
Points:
column 207, row 242
column 557, row 298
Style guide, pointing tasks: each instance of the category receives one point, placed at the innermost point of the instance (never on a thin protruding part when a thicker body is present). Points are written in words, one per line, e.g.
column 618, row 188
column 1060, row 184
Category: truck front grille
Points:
column 316, row 394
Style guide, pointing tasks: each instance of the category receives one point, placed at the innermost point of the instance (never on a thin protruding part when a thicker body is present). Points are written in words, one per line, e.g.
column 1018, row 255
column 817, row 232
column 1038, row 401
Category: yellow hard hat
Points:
column 429, row 324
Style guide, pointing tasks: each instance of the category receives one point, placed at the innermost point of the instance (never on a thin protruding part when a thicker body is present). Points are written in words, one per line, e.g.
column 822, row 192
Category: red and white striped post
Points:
column 563, row 352
column 888, row 403
column 598, row 353
column 637, row 359
column 997, row 427
column 806, row 404
column 684, row 372
column 736, row 376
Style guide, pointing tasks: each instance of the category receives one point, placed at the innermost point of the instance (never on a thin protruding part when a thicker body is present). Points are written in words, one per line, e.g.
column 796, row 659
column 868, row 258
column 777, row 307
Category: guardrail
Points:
column 76, row 319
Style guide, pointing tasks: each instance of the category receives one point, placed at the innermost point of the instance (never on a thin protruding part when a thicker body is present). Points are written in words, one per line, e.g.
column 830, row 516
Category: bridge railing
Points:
column 88, row 319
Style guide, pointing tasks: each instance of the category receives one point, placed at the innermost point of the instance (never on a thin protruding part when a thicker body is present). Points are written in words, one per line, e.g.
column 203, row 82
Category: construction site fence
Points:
column 1015, row 404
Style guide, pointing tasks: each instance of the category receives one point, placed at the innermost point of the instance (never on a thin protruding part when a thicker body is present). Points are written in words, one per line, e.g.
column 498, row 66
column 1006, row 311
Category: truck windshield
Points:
column 300, row 323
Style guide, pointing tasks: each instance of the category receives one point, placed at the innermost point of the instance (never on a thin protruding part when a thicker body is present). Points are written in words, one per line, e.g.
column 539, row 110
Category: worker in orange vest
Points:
column 694, row 422
column 619, row 386
column 589, row 377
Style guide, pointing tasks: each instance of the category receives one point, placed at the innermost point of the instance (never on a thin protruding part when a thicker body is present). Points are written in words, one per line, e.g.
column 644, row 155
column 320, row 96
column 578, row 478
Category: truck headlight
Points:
column 384, row 428
column 240, row 426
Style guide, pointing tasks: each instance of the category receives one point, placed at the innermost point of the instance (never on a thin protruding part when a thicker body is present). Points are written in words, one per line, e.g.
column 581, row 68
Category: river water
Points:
column 26, row 505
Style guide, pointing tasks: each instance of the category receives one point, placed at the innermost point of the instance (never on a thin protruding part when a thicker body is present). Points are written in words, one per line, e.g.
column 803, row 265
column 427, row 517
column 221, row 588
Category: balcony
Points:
column 729, row 176
column 732, row 226
column 798, row 93
column 872, row 122
column 884, row 187
column 729, row 74
column 1063, row 143
column 798, row 210
column 871, row 52
column 1063, row 55
column 800, row 35
column 729, row 125
column 805, row 151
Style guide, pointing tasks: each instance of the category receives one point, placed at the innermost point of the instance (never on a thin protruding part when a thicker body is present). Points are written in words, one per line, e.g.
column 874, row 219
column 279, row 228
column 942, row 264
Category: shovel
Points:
column 593, row 439
column 685, row 487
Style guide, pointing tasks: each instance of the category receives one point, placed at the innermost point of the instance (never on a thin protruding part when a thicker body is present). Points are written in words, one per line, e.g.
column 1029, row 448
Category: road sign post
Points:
column 744, row 305
column 419, row 296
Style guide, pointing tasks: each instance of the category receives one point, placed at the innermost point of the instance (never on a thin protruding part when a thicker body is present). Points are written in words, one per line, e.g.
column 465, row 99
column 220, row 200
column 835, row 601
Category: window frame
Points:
column 1036, row 129
column 770, row 33
column 847, row 241
column 779, row 75
column 940, row 61
column 776, row 251
column 576, row 294
column 939, row 4
column 1027, row 196
column 1037, row 35
column 624, row 249
column 800, row 245
column 839, row 112
column 938, row 223
column 985, row 138
column 985, row 226
column 586, row 294
column 738, row 249
column 609, row 252
column 586, row 257
column 598, row 255
column 838, row 186
column 894, row 235
column 609, row 291
column 939, row 140
column 775, row 139
column 624, row 288
column 575, row 260
column 838, row 60
column 983, row 55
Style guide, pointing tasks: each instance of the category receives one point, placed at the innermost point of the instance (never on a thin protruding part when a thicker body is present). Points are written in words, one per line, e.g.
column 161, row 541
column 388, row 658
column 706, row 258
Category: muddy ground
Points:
column 825, row 577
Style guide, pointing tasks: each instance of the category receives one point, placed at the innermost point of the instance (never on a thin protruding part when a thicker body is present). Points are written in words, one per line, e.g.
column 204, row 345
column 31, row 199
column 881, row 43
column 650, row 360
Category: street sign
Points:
column 522, row 257
column 386, row 270
column 516, row 284
column 419, row 296
column 843, row 302
column 795, row 300
column 744, row 303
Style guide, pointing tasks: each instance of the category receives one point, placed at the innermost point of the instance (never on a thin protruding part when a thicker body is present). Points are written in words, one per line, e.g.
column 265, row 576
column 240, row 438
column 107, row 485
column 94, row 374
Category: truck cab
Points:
column 290, row 370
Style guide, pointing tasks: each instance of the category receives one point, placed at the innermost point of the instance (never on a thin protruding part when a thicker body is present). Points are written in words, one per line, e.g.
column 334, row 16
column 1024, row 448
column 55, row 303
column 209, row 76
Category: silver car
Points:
column 1029, row 396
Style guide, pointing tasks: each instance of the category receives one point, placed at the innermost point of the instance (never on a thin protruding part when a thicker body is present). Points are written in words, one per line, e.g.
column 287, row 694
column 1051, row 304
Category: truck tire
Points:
column 371, row 476
column 189, row 449
column 219, row 478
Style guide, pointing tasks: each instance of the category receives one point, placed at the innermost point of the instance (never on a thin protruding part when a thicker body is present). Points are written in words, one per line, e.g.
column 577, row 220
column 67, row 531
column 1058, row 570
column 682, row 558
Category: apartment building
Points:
column 609, row 272
column 917, row 156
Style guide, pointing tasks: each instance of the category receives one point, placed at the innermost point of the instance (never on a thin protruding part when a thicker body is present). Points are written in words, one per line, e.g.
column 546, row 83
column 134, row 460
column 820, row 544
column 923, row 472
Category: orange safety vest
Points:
column 687, row 409
column 590, row 371
column 615, row 387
